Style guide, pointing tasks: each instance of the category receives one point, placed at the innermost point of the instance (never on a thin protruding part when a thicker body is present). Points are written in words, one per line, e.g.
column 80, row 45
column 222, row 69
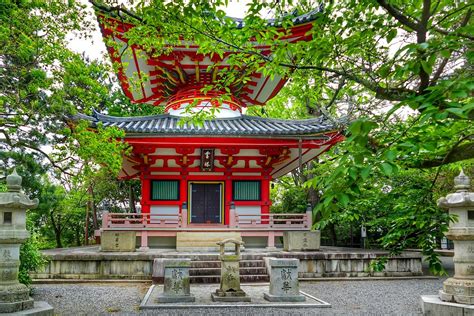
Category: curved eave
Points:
column 166, row 125
column 320, row 135
column 239, row 23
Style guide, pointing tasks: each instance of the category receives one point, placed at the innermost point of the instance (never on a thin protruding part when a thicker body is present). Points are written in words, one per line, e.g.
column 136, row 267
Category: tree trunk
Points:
column 93, row 208
column 332, row 232
column 77, row 236
column 56, row 228
column 132, row 199
column 59, row 244
column 86, row 228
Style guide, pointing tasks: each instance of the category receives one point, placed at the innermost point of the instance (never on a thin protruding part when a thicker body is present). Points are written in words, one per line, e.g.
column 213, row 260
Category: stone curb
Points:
column 144, row 307
column 328, row 279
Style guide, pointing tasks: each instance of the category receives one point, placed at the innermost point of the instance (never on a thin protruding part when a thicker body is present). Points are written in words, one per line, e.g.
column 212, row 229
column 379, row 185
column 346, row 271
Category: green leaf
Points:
column 344, row 199
column 423, row 46
column 445, row 53
column 355, row 127
column 391, row 35
column 353, row 173
column 364, row 173
column 390, row 155
column 468, row 107
column 427, row 67
column 387, row 168
column 459, row 94
column 459, row 112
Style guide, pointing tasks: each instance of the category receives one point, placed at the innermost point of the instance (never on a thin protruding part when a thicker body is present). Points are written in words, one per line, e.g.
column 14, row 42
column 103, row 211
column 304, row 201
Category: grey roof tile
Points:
column 244, row 125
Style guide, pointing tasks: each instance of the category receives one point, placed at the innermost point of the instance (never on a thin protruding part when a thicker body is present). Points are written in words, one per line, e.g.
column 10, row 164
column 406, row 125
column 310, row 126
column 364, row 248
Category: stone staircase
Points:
column 209, row 271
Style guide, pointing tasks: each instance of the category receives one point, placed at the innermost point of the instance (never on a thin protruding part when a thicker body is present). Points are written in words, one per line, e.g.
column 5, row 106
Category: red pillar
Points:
column 227, row 197
column 183, row 196
column 145, row 201
column 265, row 198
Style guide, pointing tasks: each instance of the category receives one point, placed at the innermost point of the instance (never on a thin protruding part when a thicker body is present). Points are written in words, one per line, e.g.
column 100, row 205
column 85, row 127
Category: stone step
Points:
column 217, row 271
column 217, row 264
column 217, row 278
column 211, row 257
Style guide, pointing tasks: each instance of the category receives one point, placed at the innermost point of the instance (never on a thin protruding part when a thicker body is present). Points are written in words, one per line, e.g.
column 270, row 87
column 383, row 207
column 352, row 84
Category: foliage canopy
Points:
column 396, row 75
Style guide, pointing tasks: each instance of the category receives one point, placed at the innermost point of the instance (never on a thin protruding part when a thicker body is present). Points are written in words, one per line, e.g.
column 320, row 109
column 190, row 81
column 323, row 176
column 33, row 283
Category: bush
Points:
column 31, row 259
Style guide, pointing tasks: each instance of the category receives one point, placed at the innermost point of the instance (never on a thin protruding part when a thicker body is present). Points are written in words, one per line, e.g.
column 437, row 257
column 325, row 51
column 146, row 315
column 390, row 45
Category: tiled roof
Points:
column 240, row 126
column 296, row 19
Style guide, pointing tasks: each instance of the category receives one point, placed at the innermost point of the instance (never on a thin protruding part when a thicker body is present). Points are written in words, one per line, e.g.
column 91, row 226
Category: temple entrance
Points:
column 206, row 203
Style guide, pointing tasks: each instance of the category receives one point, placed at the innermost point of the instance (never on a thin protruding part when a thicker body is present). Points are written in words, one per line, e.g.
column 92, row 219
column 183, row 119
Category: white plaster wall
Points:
column 250, row 210
column 167, row 212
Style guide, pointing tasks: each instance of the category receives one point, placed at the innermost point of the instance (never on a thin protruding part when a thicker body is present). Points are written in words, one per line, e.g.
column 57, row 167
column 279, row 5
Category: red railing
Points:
column 139, row 220
column 288, row 221
column 280, row 221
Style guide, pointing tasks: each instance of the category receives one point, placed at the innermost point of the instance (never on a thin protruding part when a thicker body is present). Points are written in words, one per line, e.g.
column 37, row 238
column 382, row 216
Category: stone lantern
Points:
column 14, row 296
column 230, row 290
column 460, row 288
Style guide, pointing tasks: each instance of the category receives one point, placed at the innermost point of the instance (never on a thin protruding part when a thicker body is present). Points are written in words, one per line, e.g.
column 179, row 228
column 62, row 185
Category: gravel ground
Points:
column 374, row 297
column 387, row 297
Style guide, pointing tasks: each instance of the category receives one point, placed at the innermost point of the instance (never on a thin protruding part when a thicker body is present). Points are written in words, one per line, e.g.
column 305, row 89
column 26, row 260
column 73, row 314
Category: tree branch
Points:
column 336, row 93
column 398, row 15
column 421, row 32
column 445, row 60
column 44, row 154
column 457, row 153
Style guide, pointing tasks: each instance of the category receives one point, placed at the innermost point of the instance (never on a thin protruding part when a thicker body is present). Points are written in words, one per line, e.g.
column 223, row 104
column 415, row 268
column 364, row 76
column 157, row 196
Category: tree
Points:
column 400, row 72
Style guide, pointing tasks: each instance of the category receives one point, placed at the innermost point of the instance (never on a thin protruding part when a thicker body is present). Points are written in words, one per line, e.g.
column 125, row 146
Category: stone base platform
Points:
column 202, row 292
column 230, row 298
column 175, row 299
column 16, row 306
column 88, row 263
column 432, row 305
column 40, row 308
column 274, row 298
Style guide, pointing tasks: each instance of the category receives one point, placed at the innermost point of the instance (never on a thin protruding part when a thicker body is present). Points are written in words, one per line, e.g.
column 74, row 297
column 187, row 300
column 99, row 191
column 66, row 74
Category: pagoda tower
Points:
column 206, row 173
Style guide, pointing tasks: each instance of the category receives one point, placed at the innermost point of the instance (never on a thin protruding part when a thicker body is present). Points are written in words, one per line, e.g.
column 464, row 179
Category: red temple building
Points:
column 213, row 177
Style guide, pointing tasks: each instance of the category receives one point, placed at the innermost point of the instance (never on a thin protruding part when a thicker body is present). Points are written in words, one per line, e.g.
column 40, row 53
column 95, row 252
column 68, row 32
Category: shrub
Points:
column 31, row 259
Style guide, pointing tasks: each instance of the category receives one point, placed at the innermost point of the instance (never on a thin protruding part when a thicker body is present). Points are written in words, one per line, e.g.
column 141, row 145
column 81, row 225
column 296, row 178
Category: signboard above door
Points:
column 207, row 159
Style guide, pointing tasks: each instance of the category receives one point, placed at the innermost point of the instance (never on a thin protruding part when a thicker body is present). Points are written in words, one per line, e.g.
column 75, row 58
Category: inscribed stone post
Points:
column 284, row 285
column 176, row 281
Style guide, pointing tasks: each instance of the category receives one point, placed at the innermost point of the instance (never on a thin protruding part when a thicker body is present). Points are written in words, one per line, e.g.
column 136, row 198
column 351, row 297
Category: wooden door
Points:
column 206, row 203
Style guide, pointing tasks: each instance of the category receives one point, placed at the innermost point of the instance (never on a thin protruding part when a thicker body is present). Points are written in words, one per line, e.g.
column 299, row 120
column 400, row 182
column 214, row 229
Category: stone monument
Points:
column 117, row 241
column 301, row 240
column 284, row 285
column 176, row 281
column 14, row 296
column 457, row 295
column 230, row 290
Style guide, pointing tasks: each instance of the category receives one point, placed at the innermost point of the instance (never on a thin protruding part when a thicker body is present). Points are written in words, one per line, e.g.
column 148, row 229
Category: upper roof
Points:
column 239, row 23
column 153, row 77
column 245, row 125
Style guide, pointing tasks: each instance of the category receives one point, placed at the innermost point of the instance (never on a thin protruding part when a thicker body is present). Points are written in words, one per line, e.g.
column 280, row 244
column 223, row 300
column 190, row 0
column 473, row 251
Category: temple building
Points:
column 215, row 176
